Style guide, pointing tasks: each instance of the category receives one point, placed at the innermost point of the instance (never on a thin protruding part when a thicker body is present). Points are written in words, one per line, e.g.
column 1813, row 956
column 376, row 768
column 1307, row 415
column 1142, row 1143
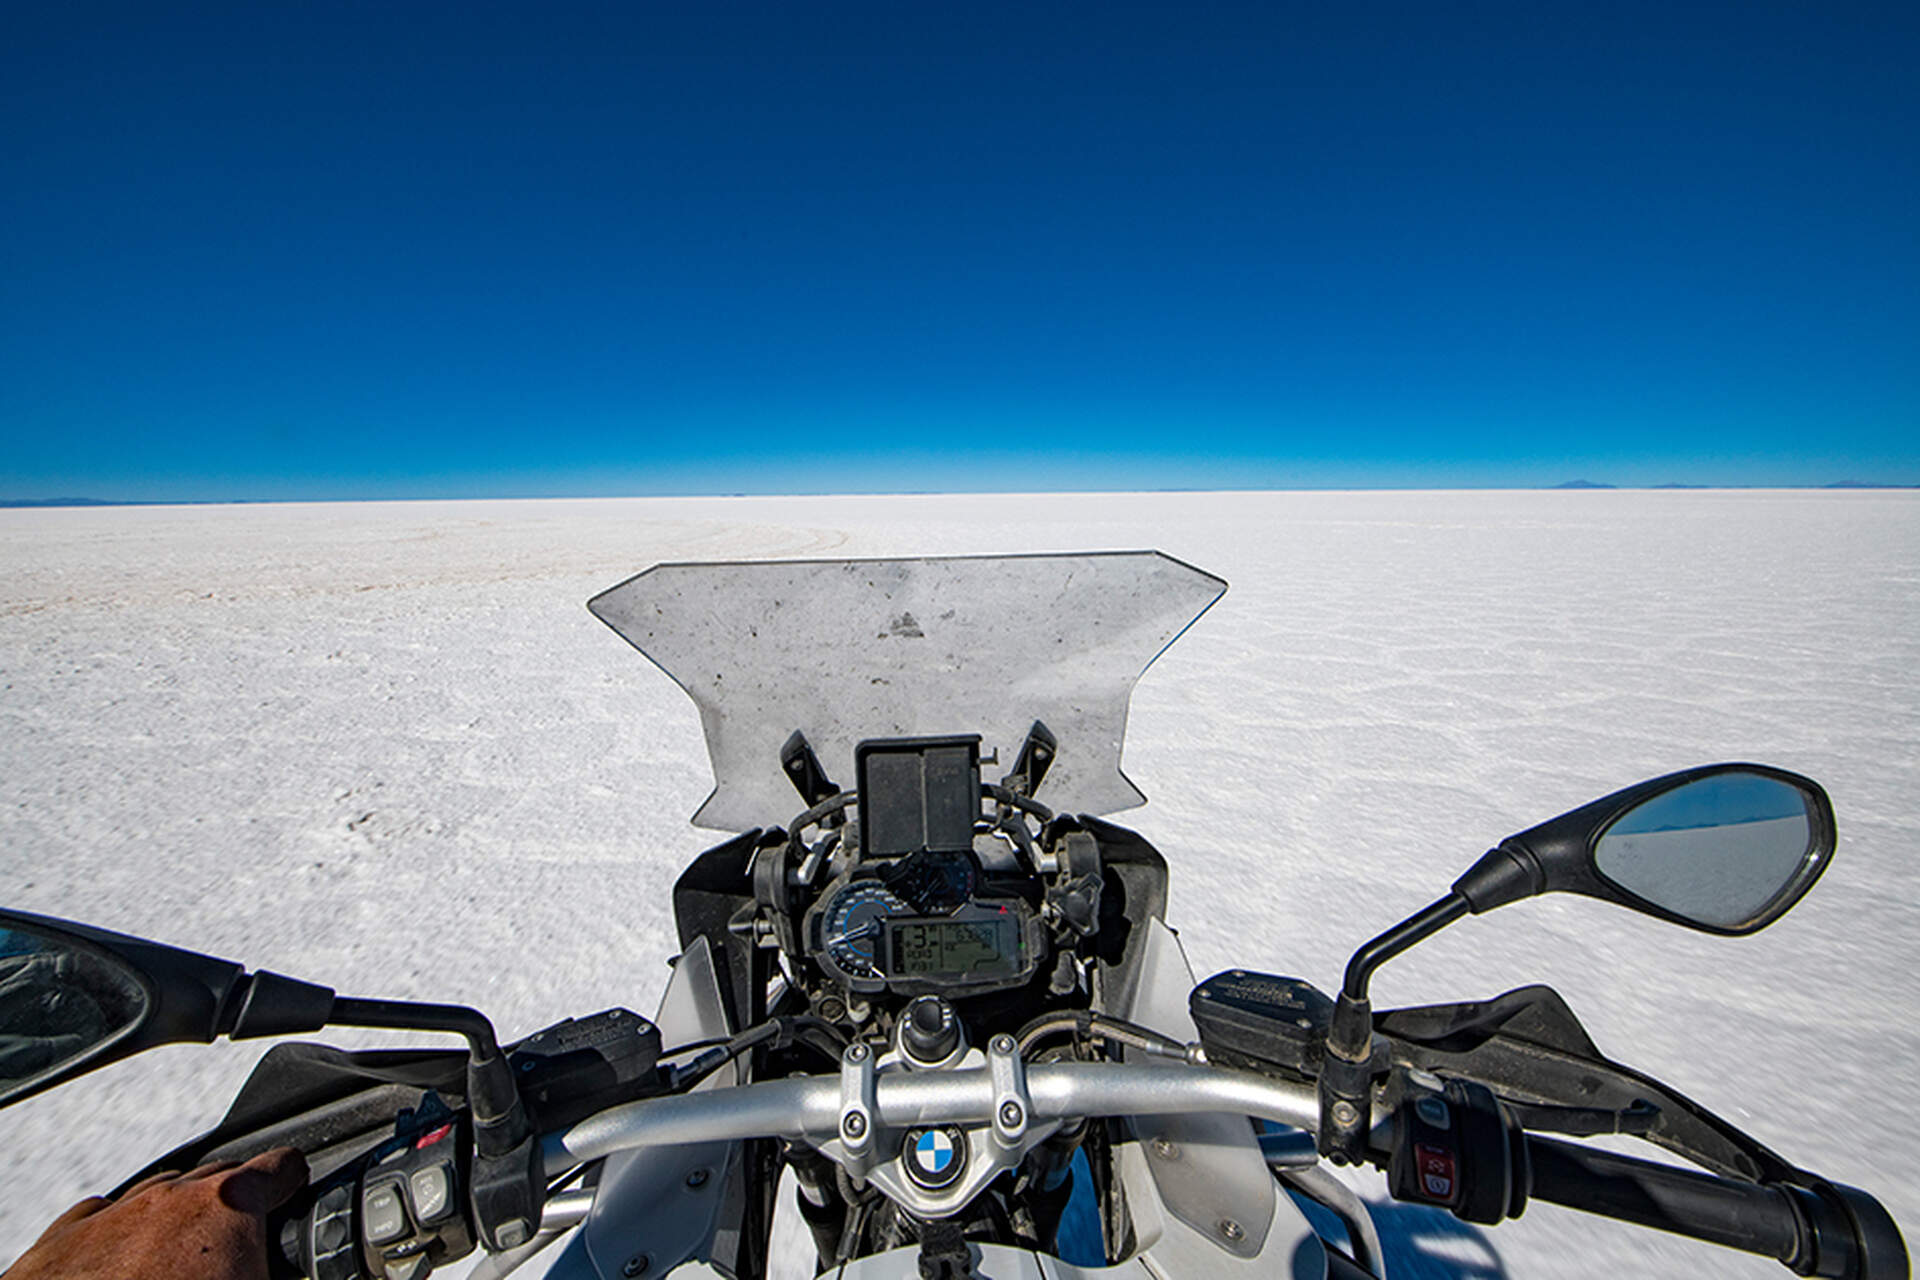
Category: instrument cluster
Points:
column 929, row 922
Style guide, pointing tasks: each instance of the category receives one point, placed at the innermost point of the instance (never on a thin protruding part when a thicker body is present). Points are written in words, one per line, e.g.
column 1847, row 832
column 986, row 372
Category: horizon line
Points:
column 1569, row 486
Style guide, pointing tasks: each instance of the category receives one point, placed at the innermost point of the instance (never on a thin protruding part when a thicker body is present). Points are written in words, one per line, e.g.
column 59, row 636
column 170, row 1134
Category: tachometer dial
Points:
column 850, row 929
column 933, row 882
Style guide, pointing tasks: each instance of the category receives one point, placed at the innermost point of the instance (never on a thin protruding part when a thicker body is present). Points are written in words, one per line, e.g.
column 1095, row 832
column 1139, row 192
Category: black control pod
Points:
column 930, row 1032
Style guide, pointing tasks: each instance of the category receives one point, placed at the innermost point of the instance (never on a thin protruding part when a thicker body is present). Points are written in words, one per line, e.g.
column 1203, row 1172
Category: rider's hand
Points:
column 210, row 1224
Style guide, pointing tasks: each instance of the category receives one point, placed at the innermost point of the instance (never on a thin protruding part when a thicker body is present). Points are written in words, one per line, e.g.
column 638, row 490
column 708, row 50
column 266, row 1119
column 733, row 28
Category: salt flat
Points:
column 385, row 747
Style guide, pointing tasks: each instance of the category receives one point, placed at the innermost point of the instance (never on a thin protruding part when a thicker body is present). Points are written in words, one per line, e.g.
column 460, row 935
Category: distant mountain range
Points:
column 1837, row 484
column 58, row 502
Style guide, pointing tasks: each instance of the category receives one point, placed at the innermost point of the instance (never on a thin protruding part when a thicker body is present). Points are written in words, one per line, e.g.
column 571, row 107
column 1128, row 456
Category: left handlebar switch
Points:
column 395, row 1215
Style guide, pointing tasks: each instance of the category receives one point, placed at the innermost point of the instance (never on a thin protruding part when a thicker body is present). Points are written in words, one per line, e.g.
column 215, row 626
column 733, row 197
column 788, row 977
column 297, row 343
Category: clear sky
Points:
column 338, row 250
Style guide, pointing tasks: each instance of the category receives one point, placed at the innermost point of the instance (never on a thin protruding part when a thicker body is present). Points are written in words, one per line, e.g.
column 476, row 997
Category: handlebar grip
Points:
column 1831, row 1231
column 312, row 1237
column 288, row 1246
column 284, row 1230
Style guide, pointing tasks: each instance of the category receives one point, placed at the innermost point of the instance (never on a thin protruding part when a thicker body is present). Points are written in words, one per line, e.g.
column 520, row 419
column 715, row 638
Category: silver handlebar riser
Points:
column 809, row 1108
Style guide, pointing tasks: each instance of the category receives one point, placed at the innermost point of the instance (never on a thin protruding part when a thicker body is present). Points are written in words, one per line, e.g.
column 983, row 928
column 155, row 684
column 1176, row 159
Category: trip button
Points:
column 1434, row 1111
column 381, row 1215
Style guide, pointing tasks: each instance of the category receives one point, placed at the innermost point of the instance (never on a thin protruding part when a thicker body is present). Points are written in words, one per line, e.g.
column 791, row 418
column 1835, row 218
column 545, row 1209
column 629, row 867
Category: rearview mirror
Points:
column 1727, row 848
column 73, row 998
column 61, row 1004
column 1718, row 851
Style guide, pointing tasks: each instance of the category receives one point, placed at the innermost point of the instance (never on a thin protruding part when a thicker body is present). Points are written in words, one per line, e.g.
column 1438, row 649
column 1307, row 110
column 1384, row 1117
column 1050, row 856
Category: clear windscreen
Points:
column 845, row 650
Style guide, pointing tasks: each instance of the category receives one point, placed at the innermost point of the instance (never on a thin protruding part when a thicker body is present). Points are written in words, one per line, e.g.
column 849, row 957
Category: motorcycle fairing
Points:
column 845, row 650
column 690, row 1209
column 1207, row 1169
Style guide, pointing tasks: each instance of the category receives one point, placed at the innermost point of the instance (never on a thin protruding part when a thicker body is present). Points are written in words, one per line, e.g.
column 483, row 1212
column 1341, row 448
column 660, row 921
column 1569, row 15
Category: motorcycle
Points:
column 944, row 1002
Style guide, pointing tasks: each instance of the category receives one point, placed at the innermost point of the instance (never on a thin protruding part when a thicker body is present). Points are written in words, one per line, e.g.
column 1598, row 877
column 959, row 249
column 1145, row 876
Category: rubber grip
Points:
column 1740, row 1215
column 1823, row 1230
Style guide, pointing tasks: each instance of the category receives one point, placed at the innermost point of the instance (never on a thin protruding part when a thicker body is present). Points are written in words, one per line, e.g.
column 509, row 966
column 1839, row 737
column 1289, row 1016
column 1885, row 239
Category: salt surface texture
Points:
column 385, row 747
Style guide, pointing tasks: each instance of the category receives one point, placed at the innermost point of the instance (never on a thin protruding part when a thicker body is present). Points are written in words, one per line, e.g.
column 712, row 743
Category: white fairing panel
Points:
column 845, row 650
column 663, row 1204
column 1187, row 1177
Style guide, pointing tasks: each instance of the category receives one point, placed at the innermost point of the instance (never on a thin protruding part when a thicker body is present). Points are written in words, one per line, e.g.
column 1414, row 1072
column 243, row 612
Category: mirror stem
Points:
column 406, row 1015
column 1348, row 1068
column 500, row 1122
column 1415, row 928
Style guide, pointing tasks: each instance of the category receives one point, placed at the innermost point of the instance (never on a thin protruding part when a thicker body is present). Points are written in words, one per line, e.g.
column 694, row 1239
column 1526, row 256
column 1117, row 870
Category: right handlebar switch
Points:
column 1455, row 1148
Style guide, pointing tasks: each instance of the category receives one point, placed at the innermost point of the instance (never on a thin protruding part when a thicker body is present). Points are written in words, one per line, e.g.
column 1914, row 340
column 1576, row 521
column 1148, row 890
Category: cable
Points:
column 804, row 1030
column 1015, row 800
column 832, row 804
column 1084, row 1022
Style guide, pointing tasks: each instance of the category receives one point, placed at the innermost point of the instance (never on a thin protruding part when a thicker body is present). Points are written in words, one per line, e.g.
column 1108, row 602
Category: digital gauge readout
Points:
column 963, row 949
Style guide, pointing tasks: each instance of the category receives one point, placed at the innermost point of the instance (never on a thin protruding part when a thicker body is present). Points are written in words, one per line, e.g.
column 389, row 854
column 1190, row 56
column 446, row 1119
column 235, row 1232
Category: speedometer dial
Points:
column 851, row 926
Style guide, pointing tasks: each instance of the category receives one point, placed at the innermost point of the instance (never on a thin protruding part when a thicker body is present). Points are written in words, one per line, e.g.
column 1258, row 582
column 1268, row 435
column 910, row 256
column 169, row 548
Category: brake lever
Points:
column 1636, row 1119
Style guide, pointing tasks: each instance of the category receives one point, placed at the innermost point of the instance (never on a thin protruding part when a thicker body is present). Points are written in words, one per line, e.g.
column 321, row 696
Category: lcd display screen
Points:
column 960, row 948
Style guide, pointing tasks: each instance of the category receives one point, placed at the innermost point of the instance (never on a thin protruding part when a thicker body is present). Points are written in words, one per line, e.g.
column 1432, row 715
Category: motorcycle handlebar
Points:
column 1825, row 1230
column 809, row 1106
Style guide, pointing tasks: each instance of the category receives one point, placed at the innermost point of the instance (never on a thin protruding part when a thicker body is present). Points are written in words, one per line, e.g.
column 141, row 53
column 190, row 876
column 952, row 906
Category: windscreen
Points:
column 845, row 650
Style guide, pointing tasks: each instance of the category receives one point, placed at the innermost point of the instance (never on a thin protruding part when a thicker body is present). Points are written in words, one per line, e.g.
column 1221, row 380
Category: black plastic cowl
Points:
column 507, row 1194
column 275, row 1005
column 1505, row 873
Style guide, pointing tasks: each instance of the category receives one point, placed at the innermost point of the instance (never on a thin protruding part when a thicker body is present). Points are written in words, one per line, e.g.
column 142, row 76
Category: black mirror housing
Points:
column 1559, row 855
column 186, row 998
column 184, row 994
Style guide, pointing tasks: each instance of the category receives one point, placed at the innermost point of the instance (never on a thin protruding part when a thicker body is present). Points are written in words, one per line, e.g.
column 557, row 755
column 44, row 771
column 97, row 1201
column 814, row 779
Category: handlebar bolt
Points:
column 855, row 1124
column 1232, row 1231
column 1344, row 1114
column 636, row 1265
column 1011, row 1115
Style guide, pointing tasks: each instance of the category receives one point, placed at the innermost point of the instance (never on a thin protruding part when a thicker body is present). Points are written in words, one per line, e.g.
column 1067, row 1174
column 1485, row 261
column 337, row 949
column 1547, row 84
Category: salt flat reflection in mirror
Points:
column 1717, row 850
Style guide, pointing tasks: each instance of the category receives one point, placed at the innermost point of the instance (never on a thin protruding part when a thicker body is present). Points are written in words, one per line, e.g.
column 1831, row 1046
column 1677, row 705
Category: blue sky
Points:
column 343, row 250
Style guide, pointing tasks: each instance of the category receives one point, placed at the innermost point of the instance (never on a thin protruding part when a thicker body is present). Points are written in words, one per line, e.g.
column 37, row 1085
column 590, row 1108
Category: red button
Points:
column 1437, row 1171
column 433, row 1137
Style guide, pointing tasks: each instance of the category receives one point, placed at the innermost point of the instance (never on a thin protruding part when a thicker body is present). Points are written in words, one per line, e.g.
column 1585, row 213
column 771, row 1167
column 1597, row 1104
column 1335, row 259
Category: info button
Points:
column 432, row 1192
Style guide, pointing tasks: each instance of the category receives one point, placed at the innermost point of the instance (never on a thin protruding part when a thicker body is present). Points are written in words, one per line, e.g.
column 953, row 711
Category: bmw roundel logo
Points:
column 935, row 1158
column 934, row 1150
